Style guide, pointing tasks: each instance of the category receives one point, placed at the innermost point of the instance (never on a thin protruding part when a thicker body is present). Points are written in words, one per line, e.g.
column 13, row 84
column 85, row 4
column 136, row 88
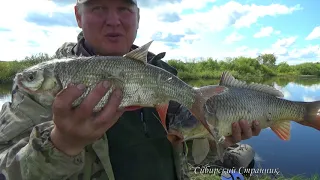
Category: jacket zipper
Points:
column 144, row 124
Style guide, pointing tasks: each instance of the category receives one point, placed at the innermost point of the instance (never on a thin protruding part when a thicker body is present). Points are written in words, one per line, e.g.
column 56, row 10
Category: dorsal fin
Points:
column 228, row 80
column 139, row 54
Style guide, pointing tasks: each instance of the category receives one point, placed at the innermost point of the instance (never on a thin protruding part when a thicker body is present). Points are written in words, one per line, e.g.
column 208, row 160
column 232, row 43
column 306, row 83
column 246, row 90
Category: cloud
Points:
column 315, row 34
column 182, row 4
column 64, row 2
column 309, row 52
column 285, row 51
column 314, row 88
column 174, row 38
column 233, row 37
column 154, row 3
column 53, row 19
column 189, row 32
column 285, row 42
column 258, row 158
column 226, row 15
column 285, row 92
column 254, row 12
column 204, row 25
column 280, row 47
column 308, row 99
column 4, row 29
column 169, row 17
column 183, row 28
column 241, row 51
column 265, row 32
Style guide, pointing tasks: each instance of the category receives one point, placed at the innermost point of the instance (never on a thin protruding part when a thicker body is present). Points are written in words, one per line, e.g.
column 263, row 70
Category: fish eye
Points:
column 30, row 77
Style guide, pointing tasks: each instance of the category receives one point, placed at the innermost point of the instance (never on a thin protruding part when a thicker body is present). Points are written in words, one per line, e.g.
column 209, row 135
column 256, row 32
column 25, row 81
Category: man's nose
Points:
column 113, row 18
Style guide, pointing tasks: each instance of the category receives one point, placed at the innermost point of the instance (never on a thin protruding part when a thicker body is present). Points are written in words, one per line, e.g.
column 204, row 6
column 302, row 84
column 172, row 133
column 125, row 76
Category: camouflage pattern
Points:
column 26, row 151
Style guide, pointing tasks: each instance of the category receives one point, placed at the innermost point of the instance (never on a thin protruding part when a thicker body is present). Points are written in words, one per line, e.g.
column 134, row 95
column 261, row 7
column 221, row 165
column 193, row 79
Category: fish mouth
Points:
column 19, row 79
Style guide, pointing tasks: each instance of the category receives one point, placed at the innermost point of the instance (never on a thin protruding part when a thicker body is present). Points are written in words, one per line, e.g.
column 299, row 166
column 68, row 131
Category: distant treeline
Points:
column 8, row 69
column 263, row 66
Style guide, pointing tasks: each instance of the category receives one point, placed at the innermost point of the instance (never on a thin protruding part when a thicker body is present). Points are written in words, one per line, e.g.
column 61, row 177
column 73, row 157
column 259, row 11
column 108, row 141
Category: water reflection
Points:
column 5, row 93
column 300, row 155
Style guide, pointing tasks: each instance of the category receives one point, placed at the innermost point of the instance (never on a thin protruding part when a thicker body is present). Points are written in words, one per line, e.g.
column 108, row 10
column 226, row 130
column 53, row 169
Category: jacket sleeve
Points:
column 25, row 148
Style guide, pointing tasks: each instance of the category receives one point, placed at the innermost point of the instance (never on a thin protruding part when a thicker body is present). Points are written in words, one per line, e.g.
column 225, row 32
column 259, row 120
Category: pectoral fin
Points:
column 200, row 150
column 174, row 137
column 162, row 111
column 282, row 130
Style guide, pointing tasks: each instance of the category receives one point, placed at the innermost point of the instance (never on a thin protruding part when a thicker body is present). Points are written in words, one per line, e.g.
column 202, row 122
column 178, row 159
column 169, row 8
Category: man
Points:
column 66, row 143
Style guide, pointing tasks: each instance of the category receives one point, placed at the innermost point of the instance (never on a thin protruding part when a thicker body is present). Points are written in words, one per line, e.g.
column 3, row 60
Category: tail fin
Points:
column 312, row 115
column 203, row 94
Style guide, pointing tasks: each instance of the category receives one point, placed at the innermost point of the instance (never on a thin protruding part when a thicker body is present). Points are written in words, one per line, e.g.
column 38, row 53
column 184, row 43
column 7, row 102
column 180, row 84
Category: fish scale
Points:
column 142, row 84
column 248, row 102
column 238, row 104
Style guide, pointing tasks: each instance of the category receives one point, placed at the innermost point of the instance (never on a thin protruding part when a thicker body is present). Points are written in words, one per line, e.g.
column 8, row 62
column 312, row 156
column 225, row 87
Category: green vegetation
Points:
column 260, row 68
column 257, row 69
column 9, row 68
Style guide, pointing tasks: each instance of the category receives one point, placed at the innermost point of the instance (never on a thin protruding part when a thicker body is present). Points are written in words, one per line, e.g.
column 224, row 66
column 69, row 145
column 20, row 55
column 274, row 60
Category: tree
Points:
column 267, row 59
column 284, row 67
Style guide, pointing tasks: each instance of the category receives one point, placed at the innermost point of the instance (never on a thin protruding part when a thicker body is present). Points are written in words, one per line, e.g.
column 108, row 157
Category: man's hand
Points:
column 241, row 131
column 77, row 127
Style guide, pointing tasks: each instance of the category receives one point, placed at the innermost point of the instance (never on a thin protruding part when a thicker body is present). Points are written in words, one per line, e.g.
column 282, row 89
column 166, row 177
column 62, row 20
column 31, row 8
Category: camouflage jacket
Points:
column 26, row 150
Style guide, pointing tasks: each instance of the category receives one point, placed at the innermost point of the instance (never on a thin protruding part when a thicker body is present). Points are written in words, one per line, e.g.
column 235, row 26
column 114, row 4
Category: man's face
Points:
column 109, row 26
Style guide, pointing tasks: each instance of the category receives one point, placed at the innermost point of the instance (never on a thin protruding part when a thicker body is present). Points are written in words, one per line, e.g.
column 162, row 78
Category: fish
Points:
column 142, row 84
column 248, row 101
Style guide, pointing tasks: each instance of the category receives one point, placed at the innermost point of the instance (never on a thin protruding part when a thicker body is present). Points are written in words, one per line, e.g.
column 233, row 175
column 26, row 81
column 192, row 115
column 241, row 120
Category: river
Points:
column 298, row 156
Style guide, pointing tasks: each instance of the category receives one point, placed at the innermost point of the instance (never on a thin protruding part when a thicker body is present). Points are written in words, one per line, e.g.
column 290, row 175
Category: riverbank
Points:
column 244, row 68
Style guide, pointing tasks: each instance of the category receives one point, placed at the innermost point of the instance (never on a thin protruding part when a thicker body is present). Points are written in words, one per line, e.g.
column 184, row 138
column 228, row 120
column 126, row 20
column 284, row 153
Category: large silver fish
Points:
column 142, row 84
column 244, row 101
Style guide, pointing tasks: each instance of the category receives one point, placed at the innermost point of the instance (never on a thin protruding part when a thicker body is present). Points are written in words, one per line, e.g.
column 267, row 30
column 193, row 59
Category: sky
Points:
column 185, row 30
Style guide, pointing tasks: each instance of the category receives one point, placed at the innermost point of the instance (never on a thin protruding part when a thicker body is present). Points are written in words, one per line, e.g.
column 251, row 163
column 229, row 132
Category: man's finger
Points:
column 93, row 98
column 246, row 129
column 236, row 132
column 110, row 110
column 256, row 129
column 65, row 98
column 108, row 123
column 229, row 141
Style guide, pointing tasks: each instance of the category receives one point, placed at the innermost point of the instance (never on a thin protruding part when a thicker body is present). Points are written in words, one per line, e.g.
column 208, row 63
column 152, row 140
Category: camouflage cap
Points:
column 84, row 1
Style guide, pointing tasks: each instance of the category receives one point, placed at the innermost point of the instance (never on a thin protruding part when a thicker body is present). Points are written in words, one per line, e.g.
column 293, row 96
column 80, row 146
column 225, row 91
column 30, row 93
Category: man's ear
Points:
column 77, row 14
